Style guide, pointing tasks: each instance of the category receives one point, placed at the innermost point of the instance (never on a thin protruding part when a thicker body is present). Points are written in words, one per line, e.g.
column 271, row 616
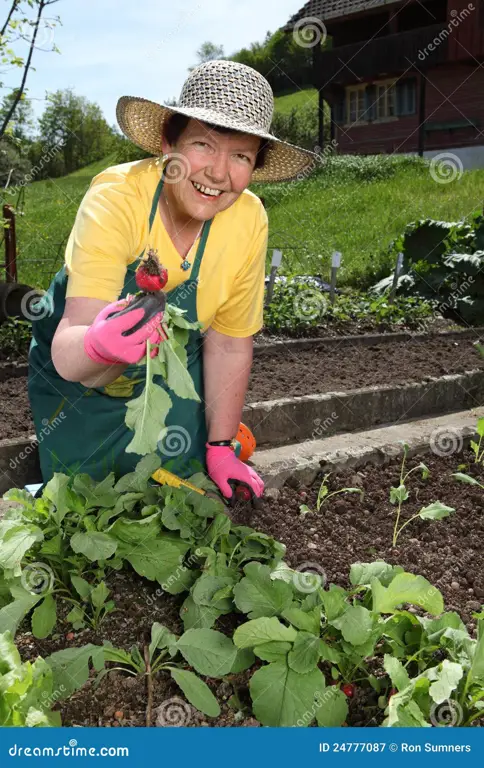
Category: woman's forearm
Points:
column 227, row 362
column 73, row 364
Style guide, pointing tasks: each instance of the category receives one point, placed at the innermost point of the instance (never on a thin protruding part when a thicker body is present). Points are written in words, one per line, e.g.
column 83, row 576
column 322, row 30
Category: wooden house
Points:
column 401, row 76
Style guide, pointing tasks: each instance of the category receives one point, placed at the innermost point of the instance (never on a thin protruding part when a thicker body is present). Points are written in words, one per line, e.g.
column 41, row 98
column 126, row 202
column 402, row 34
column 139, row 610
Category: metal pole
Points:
column 10, row 245
column 335, row 265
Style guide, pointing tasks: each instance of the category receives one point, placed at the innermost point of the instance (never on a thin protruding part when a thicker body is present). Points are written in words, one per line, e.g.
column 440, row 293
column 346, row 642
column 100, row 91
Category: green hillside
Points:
column 354, row 205
column 299, row 99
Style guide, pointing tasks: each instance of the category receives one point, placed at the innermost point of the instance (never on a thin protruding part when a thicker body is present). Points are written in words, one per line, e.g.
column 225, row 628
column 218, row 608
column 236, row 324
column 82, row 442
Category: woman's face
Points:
column 222, row 164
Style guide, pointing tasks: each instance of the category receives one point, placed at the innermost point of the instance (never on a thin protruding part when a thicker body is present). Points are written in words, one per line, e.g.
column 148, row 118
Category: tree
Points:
column 73, row 133
column 19, row 26
column 207, row 52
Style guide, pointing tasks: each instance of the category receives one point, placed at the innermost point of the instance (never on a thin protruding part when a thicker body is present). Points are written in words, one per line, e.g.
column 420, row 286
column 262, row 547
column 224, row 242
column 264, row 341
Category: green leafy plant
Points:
column 209, row 652
column 400, row 494
column 146, row 413
column 324, row 495
column 442, row 263
column 29, row 690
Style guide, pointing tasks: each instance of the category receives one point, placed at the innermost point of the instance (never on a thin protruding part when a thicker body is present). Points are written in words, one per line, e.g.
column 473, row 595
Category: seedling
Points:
column 158, row 656
column 434, row 511
column 324, row 495
column 476, row 447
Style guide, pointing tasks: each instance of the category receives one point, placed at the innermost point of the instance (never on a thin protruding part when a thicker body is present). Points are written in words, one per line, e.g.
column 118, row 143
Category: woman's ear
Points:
column 166, row 146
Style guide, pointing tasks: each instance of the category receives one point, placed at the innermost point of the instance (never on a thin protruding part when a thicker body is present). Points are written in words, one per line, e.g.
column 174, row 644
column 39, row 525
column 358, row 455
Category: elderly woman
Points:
column 190, row 202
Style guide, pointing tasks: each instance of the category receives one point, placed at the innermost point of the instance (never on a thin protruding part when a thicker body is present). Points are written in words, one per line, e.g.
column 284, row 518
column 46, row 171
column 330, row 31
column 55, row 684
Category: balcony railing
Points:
column 389, row 55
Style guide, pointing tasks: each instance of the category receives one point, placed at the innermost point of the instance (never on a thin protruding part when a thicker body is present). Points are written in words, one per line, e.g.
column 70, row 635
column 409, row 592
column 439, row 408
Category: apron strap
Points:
column 156, row 199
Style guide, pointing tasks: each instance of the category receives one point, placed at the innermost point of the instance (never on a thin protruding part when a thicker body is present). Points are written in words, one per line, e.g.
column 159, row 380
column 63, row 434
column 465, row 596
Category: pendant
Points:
column 185, row 265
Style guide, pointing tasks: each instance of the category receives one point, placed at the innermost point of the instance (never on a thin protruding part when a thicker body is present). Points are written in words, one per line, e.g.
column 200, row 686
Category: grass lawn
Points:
column 354, row 205
column 298, row 99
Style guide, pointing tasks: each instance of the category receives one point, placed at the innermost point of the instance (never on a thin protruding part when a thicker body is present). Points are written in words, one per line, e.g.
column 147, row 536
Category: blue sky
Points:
column 111, row 48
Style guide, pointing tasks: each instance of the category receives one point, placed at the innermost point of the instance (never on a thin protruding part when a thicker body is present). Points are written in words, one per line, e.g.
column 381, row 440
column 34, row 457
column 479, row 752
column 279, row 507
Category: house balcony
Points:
column 390, row 55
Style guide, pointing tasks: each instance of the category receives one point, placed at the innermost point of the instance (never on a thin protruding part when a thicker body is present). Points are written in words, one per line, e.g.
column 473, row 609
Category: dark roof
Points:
column 333, row 9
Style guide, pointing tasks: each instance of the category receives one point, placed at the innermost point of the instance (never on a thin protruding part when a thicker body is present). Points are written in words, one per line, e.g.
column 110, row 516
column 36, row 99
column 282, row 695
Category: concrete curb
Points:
column 303, row 462
column 294, row 419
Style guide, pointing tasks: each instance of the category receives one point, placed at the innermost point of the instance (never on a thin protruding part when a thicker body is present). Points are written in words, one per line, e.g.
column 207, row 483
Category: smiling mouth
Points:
column 208, row 193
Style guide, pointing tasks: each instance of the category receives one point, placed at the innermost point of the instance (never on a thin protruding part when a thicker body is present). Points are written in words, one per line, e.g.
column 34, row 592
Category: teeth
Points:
column 207, row 190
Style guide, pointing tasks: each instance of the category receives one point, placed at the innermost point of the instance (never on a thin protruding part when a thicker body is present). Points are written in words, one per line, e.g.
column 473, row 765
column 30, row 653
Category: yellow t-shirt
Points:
column 111, row 231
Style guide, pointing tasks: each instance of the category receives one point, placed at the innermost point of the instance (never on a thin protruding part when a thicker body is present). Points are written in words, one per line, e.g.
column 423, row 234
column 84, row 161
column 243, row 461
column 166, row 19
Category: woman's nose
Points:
column 217, row 170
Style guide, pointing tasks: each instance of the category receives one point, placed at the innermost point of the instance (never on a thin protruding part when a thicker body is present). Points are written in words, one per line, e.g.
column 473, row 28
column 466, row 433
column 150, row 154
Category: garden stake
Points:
column 275, row 264
column 335, row 265
column 398, row 269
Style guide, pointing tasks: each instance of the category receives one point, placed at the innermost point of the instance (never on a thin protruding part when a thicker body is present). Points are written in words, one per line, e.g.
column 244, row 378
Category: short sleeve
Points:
column 104, row 239
column 242, row 314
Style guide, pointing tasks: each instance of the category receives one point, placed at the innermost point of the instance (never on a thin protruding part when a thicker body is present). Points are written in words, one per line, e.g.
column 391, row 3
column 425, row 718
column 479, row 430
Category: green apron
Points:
column 82, row 429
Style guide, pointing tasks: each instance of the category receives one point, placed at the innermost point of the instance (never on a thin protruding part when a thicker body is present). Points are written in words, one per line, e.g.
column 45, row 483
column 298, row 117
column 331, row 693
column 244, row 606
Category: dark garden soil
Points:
column 15, row 415
column 292, row 373
column 358, row 328
column 347, row 529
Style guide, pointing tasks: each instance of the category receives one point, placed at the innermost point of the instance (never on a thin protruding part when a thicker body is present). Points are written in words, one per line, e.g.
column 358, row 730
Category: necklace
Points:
column 185, row 264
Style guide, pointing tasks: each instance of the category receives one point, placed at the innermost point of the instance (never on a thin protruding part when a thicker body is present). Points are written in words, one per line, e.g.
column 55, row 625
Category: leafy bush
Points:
column 442, row 262
column 299, row 126
column 15, row 338
column 297, row 306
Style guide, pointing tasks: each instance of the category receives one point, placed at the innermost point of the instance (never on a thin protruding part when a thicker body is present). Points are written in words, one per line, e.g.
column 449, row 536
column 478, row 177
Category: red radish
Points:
column 348, row 690
column 70, row 636
column 393, row 691
column 151, row 276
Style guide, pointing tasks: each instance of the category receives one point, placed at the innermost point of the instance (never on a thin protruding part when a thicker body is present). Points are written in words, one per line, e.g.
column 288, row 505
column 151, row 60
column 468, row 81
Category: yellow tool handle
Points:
column 164, row 477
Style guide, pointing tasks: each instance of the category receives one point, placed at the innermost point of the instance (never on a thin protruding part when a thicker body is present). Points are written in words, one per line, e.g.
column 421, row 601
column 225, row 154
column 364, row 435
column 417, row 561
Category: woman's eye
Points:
column 244, row 157
column 201, row 143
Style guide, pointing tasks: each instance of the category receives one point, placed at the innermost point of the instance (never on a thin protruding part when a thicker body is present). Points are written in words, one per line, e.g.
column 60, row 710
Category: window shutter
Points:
column 339, row 108
column 370, row 102
column 406, row 96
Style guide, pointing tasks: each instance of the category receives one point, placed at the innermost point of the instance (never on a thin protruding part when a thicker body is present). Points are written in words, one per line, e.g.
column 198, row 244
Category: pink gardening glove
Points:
column 105, row 343
column 223, row 465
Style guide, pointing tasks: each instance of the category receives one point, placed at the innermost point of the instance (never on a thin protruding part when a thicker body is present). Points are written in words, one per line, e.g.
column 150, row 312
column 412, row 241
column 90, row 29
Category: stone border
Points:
column 303, row 462
column 293, row 419
column 19, row 463
column 363, row 340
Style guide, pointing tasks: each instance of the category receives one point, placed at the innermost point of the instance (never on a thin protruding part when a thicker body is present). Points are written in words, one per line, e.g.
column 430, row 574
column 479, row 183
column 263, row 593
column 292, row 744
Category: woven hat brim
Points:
column 142, row 120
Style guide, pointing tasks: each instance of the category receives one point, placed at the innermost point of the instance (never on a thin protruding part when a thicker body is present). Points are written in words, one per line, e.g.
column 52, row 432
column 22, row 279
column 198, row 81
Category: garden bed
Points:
column 347, row 529
column 287, row 373
column 328, row 368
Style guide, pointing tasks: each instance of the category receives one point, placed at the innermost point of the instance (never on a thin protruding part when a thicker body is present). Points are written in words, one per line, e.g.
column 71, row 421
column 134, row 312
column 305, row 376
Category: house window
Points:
column 355, row 104
column 385, row 99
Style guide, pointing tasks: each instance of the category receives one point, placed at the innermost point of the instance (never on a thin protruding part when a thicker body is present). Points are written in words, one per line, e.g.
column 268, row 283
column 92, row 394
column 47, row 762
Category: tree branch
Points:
column 10, row 14
column 19, row 91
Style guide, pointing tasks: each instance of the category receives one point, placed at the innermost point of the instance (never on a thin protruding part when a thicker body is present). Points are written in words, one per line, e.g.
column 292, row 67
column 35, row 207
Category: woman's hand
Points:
column 108, row 340
column 223, row 465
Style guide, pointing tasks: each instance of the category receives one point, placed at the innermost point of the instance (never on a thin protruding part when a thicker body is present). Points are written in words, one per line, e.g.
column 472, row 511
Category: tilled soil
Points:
column 292, row 373
column 347, row 529
column 15, row 414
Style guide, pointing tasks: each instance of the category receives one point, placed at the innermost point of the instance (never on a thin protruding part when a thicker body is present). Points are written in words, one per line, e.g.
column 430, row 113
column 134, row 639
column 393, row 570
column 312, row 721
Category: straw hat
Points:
column 223, row 93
